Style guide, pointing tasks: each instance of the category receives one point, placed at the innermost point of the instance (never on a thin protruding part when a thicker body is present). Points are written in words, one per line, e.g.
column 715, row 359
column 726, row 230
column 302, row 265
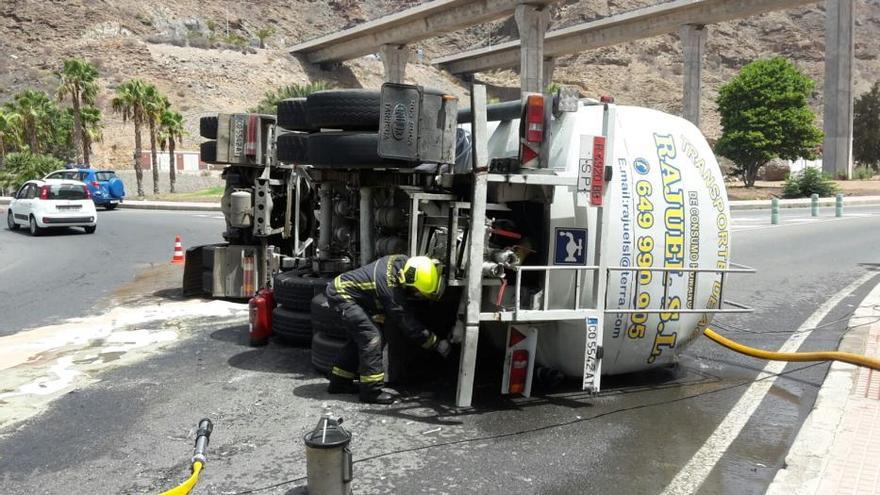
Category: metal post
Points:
column 774, row 211
column 325, row 216
column 838, row 206
column 366, row 225
column 468, row 363
column 814, row 205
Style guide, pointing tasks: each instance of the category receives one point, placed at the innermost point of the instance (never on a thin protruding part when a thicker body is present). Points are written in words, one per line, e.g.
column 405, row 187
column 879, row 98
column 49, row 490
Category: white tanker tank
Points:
column 666, row 208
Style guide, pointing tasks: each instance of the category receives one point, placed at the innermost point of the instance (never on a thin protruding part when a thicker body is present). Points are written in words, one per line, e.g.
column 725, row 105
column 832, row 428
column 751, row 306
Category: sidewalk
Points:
column 837, row 450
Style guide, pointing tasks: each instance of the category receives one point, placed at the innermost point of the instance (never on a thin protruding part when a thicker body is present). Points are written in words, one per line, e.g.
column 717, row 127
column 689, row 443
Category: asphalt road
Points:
column 65, row 273
column 132, row 431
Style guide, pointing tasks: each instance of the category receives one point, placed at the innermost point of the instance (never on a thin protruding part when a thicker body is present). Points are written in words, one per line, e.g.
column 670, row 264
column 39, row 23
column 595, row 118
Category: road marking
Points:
column 793, row 222
column 692, row 476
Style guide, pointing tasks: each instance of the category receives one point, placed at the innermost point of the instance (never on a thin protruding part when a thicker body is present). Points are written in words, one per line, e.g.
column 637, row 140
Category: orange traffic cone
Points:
column 177, row 259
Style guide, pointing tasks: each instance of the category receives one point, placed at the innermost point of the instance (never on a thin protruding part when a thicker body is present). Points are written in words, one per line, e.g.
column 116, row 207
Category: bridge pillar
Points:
column 394, row 58
column 547, row 70
column 693, row 44
column 532, row 22
column 838, row 112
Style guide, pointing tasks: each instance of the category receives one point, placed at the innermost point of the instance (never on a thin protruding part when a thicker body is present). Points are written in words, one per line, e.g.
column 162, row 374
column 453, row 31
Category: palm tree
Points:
column 92, row 129
column 10, row 135
column 78, row 82
column 131, row 102
column 170, row 133
column 34, row 109
column 156, row 103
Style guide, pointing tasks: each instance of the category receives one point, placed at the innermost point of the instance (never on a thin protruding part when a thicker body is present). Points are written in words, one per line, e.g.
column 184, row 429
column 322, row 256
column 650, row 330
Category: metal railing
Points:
column 519, row 313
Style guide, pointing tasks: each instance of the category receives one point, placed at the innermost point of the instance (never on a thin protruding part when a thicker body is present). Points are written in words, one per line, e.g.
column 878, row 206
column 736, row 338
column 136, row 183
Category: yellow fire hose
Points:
column 185, row 487
column 845, row 357
column 203, row 435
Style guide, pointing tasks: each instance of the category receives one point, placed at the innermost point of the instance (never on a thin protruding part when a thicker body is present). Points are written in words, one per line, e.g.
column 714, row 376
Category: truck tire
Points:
column 325, row 319
column 208, row 151
column 292, row 115
column 348, row 150
column 292, row 147
column 292, row 327
column 346, row 109
column 325, row 348
column 295, row 289
column 208, row 127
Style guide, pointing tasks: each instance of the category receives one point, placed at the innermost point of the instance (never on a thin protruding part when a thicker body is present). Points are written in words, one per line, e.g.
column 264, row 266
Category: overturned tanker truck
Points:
column 575, row 234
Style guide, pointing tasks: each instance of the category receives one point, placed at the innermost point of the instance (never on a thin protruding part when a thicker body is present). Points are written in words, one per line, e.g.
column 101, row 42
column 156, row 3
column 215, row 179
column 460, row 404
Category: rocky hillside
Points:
column 203, row 53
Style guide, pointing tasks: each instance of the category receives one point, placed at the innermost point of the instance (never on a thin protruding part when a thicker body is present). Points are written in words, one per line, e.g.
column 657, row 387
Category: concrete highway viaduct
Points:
column 534, row 53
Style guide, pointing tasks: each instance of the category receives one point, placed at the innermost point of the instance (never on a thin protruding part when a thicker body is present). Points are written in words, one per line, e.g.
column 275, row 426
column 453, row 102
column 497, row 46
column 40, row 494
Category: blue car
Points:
column 107, row 189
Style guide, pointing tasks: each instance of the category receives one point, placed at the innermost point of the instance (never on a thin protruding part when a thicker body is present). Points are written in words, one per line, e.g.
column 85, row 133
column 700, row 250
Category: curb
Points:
column 152, row 205
column 169, row 206
column 808, row 456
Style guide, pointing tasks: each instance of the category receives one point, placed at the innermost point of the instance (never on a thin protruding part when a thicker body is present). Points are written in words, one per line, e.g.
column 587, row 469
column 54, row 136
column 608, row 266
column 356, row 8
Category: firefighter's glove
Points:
column 444, row 348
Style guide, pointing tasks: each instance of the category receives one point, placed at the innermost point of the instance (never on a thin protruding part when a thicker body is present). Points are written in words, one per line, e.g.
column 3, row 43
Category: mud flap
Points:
column 192, row 272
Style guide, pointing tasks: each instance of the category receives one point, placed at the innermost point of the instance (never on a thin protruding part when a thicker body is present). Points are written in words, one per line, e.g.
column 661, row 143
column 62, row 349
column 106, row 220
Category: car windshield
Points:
column 66, row 191
column 105, row 175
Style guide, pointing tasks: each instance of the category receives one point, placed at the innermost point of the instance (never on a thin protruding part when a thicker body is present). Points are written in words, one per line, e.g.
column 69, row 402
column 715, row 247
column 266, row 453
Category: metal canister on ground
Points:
column 328, row 459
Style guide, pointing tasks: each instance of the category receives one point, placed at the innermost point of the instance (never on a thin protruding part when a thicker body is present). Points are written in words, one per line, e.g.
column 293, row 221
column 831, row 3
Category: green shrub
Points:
column 863, row 173
column 807, row 182
column 19, row 168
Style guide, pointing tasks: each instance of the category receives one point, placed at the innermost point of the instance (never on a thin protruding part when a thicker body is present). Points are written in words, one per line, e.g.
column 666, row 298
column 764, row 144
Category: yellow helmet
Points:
column 422, row 274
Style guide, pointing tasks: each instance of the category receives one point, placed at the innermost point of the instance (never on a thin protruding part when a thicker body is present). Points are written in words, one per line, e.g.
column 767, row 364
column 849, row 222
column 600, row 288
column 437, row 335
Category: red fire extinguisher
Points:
column 261, row 307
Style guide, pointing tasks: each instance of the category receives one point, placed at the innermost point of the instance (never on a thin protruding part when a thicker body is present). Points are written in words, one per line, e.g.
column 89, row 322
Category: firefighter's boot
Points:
column 371, row 393
column 341, row 384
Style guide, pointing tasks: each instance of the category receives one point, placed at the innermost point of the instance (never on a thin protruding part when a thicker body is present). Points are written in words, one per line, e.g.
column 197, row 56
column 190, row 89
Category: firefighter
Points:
column 365, row 296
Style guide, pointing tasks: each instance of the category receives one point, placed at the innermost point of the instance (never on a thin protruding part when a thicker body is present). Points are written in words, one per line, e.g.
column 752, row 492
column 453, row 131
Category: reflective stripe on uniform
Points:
column 337, row 284
column 378, row 377
column 348, row 375
column 430, row 343
column 390, row 280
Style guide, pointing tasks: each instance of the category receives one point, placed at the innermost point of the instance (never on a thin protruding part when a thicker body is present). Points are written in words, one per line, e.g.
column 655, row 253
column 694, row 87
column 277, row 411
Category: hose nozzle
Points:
column 203, row 436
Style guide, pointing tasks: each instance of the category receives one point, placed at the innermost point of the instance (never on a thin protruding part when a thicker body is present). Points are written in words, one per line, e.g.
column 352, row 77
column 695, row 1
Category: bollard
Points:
column 328, row 459
column 774, row 211
column 838, row 206
column 814, row 205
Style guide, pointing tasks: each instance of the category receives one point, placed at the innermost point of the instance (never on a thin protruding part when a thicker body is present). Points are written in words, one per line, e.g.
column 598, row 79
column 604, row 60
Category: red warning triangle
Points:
column 516, row 337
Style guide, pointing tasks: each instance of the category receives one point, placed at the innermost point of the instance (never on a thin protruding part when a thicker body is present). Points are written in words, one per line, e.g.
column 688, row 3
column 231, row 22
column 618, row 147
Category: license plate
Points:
column 68, row 207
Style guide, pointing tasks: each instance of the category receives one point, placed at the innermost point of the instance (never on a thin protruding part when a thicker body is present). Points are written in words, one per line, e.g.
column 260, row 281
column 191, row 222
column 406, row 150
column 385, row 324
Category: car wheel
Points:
column 325, row 320
column 295, row 289
column 90, row 229
column 34, row 228
column 292, row 327
column 111, row 206
column 325, row 348
column 347, row 109
column 10, row 221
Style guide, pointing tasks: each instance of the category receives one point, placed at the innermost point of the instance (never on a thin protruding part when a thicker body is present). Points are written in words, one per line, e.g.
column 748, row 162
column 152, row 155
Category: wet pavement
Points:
column 130, row 429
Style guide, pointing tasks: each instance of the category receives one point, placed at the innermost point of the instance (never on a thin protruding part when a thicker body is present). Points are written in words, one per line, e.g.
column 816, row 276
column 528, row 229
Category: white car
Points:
column 50, row 203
